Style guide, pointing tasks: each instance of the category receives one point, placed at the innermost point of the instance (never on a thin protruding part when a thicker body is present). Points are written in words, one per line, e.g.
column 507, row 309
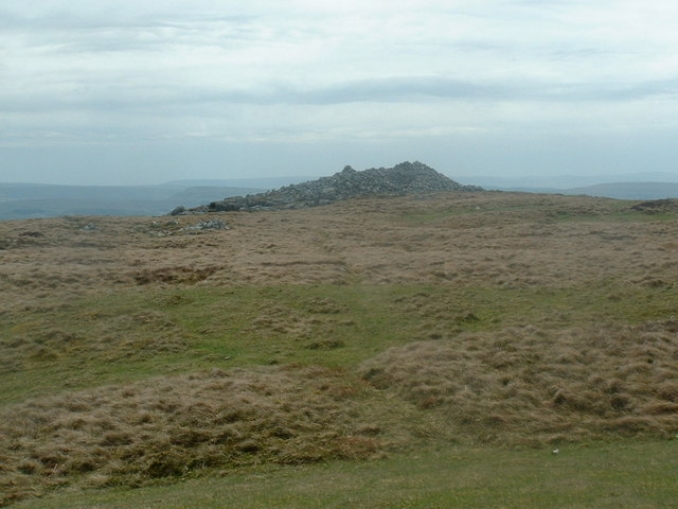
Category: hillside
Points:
column 403, row 179
column 30, row 201
column 641, row 186
column 630, row 190
column 153, row 353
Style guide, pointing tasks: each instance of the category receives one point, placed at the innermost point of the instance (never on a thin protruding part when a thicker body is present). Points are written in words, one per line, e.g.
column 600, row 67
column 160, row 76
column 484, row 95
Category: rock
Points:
column 657, row 206
column 213, row 224
column 178, row 211
column 403, row 179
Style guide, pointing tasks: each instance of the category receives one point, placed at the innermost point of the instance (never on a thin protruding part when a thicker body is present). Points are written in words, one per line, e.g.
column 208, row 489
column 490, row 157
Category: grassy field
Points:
column 405, row 352
column 621, row 475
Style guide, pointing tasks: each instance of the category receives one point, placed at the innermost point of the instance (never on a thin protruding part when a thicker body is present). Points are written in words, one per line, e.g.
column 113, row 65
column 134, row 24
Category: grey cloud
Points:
column 393, row 90
column 424, row 89
column 614, row 92
column 165, row 98
column 67, row 33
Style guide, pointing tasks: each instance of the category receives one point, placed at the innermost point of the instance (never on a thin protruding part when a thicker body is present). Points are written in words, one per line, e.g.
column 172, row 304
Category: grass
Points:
column 602, row 475
column 203, row 378
column 506, row 208
column 574, row 384
column 392, row 353
column 128, row 335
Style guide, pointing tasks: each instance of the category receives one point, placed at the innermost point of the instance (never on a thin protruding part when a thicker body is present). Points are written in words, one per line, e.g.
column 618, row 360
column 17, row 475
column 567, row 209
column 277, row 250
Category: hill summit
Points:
column 404, row 178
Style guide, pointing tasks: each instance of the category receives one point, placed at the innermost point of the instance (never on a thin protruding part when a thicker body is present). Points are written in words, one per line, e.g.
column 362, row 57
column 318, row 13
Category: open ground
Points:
column 153, row 353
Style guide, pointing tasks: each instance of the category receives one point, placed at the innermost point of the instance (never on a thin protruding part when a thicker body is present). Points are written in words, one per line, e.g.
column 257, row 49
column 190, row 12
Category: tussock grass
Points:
column 134, row 349
column 52, row 346
column 48, row 345
column 499, row 239
column 174, row 426
column 526, row 386
column 627, row 475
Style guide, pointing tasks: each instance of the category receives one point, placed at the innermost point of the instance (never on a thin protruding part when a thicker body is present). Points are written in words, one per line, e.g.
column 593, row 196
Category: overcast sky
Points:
column 142, row 92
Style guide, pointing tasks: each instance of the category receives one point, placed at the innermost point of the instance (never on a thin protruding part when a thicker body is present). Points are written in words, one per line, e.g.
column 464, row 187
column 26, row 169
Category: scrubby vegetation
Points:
column 136, row 350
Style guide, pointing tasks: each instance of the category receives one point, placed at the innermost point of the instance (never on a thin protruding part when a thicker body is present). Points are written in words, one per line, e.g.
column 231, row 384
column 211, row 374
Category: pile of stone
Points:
column 403, row 179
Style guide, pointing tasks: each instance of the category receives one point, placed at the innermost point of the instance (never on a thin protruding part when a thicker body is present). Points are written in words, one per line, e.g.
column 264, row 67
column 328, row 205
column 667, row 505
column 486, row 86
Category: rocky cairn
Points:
column 403, row 179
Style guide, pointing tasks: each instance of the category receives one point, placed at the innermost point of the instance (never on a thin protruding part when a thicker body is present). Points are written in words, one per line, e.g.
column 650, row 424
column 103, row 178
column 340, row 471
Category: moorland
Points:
column 479, row 349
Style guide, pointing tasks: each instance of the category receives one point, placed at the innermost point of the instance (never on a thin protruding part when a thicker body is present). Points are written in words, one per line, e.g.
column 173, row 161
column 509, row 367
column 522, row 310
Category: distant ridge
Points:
column 33, row 201
column 404, row 178
column 629, row 190
column 636, row 186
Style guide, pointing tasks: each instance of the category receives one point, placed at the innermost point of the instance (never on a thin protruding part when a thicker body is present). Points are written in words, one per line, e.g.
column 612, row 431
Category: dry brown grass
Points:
column 173, row 426
column 534, row 384
column 531, row 386
column 504, row 239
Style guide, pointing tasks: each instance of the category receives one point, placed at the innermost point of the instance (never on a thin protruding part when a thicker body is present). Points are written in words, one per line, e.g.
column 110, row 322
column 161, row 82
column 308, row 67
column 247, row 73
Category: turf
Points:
column 626, row 475
column 404, row 352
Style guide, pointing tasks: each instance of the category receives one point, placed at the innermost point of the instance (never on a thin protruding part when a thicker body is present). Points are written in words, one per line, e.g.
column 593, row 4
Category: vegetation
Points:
column 382, row 342
column 607, row 476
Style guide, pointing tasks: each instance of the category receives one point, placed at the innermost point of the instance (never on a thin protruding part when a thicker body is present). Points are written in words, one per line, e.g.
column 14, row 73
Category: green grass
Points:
column 129, row 335
column 601, row 475
column 431, row 456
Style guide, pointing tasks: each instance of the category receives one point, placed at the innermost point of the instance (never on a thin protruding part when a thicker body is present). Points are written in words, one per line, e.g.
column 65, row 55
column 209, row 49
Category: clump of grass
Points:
column 173, row 426
column 523, row 385
column 136, row 334
column 174, row 275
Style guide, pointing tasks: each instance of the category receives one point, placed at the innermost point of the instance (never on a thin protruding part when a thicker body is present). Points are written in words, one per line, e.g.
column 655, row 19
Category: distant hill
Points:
column 629, row 190
column 639, row 186
column 404, row 178
column 26, row 201
column 259, row 183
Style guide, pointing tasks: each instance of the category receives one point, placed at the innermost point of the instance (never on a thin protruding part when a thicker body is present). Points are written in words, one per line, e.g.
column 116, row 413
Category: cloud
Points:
column 302, row 71
column 107, row 96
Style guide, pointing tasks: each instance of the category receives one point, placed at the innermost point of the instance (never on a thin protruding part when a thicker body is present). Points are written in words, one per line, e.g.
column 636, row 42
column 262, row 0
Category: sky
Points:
column 143, row 92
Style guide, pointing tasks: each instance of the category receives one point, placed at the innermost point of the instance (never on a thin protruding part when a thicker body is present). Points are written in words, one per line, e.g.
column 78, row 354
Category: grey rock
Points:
column 213, row 224
column 403, row 179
